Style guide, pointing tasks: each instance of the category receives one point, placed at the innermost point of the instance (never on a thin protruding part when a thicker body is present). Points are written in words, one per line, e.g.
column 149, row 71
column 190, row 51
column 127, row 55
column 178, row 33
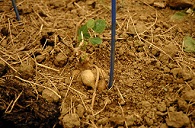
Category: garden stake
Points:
column 16, row 10
column 112, row 52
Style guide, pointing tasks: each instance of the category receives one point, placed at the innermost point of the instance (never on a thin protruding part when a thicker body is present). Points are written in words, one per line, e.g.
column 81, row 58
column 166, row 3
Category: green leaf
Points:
column 178, row 15
column 85, row 32
column 95, row 40
column 90, row 23
column 189, row 44
column 100, row 26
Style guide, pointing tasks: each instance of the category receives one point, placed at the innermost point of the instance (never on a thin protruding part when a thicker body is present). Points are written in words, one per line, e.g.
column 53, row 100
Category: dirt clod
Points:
column 26, row 71
column 80, row 110
column 50, row 96
column 177, row 119
column 189, row 96
column 70, row 121
column 162, row 107
column 61, row 60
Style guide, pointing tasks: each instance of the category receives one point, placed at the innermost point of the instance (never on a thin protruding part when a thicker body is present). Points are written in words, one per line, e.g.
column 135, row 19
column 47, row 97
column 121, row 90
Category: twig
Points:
column 101, row 109
column 123, row 114
column 44, row 66
column 96, row 84
column 12, row 106
column 120, row 94
column 30, row 82
column 9, row 65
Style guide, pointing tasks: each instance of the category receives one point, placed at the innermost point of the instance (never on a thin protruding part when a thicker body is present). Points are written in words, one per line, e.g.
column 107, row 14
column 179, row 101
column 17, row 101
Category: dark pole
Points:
column 112, row 52
column 15, row 9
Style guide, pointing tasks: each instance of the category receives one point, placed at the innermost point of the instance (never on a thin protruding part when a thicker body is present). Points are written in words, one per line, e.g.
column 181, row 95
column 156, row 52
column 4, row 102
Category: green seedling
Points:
column 90, row 30
column 89, row 34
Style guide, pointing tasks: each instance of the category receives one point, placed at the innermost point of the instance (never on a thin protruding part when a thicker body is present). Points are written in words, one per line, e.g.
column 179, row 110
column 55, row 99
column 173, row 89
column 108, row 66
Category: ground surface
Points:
column 154, row 84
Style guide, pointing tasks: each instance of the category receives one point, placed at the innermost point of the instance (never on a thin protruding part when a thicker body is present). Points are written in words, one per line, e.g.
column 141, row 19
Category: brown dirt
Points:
column 40, row 83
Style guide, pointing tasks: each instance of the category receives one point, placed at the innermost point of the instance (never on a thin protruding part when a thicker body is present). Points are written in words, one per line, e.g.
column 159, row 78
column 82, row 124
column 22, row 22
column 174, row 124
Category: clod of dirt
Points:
column 180, row 3
column 60, row 60
column 50, row 96
column 101, row 85
column 177, row 119
column 162, row 107
column 40, row 58
column 3, row 68
column 182, row 104
column 71, row 121
column 148, row 120
column 189, row 96
column 26, row 71
column 145, row 104
column 80, row 110
column 181, row 73
column 139, row 28
column 117, row 120
column 130, row 120
column 103, row 121
column 88, row 78
column 171, row 49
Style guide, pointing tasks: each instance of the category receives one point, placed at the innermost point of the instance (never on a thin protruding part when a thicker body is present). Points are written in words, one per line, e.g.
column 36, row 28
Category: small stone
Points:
column 177, row 119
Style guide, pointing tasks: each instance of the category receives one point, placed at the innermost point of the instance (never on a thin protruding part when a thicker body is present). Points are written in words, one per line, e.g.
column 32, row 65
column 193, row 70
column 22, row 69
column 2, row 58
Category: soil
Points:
column 40, row 82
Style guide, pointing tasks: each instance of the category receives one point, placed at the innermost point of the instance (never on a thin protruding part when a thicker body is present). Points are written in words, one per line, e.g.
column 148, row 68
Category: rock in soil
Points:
column 177, row 119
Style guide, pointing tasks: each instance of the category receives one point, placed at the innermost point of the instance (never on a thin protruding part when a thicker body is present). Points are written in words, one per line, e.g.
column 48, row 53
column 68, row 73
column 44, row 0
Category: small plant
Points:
column 89, row 31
